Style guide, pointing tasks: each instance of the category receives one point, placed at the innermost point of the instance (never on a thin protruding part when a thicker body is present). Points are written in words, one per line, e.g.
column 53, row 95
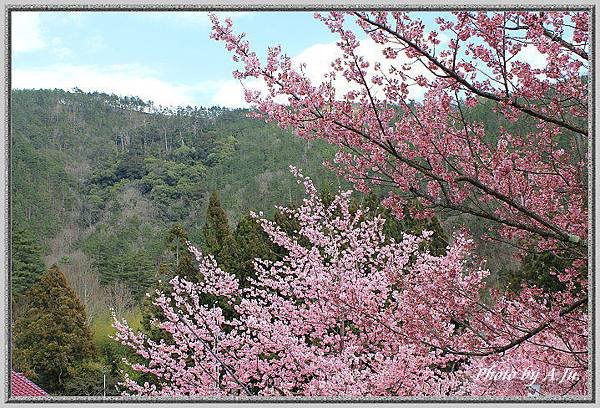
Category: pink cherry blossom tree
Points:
column 356, row 313
column 530, row 182
column 527, row 179
column 349, row 312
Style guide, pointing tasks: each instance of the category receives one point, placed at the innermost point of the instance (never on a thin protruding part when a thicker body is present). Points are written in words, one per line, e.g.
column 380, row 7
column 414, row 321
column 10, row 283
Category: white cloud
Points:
column 229, row 93
column 318, row 59
column 532, row 56
column 59, row 50
column 131, row 80
column 122, row 80
column 26, row 34
column 96, row 43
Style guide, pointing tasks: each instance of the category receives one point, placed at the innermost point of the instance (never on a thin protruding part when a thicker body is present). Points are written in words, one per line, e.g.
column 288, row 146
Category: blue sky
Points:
column 164, row 56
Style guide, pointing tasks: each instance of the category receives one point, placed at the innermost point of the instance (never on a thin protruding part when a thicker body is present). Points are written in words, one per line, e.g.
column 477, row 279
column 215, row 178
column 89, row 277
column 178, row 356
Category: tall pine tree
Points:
column 218, row 239
column 52, row 336
column 252, row 242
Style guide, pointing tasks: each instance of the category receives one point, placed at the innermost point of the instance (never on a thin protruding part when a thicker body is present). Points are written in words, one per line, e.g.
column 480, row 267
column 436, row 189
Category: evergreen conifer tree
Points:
column 216, row 229
column 252, row 242
column 52, row 336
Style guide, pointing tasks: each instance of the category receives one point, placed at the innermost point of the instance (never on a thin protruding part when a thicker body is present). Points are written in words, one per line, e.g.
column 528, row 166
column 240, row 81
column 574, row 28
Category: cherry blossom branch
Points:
column 454, row 75
column 207, row 347
column 495, row 350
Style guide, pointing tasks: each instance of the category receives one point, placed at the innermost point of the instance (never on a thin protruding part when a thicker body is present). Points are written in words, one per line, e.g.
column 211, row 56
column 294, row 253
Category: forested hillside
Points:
column 98, row 180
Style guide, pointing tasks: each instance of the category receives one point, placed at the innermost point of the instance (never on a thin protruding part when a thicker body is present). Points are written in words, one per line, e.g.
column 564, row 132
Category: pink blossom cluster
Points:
column 351, row 312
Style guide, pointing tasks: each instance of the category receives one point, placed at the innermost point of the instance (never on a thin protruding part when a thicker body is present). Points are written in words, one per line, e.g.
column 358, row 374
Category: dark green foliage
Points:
column 174, row 187
column 228, row 256
column 119, row 258
column 216, row 230
column 251, row 242
column 97, row 164
column 27, row 264
column 537, row 270
column 179, row 262
column 86, row 378
column 41, row 189
column 220, row 243
column 149, row 313
column 131, row 167
column 87, row 146
column 113, row 353
column 184, row 262
column 394, row 227
column 52, row 336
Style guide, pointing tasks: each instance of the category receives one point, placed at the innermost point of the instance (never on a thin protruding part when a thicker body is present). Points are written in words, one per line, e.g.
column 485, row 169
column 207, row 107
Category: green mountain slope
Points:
column 108, row 176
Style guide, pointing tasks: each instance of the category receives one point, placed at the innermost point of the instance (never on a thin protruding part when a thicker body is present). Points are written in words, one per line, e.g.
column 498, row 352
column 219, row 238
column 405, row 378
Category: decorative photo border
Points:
column 364, row 5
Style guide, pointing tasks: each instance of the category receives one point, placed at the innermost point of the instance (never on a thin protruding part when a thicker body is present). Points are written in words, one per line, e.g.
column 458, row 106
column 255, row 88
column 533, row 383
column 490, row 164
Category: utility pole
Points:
column 104, row 382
